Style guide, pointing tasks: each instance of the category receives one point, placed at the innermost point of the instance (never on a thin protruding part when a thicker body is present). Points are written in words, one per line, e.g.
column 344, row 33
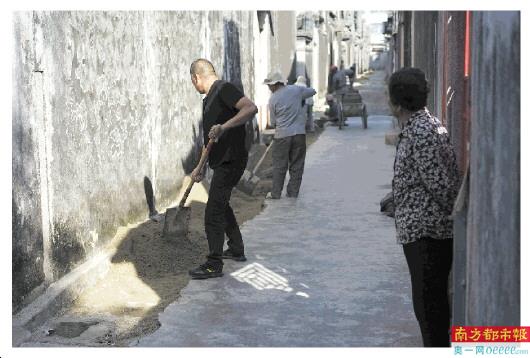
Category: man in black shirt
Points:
column 225, row 111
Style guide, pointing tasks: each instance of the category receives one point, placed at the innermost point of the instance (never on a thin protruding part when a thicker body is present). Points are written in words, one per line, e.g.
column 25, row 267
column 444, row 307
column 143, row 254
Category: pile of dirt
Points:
column 148, row 272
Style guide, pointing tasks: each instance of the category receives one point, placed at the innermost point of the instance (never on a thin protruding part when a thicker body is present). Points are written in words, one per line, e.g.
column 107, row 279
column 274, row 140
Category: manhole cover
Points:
column 72, row 329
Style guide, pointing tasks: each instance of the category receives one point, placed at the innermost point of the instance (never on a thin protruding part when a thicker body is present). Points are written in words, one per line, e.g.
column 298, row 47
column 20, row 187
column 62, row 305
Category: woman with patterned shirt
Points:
column 425, row 185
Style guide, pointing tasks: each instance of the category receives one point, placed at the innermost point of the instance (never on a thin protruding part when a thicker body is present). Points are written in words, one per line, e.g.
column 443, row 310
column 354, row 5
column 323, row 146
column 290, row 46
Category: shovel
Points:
column 250, row 180
column 177, row 218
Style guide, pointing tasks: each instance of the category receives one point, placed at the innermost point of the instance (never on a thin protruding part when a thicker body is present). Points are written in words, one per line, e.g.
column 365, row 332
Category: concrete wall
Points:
column 262, row 63
column 321, row 71
column 453, row 105
column 100, row 100
column 283, row 43
column 27, row 223
column 493, row 252
column 458, row 126
column 424, row 49
column 274, row 49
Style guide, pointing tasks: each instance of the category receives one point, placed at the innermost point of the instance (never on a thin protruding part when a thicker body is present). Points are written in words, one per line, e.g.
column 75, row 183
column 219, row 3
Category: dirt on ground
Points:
column 147, row 271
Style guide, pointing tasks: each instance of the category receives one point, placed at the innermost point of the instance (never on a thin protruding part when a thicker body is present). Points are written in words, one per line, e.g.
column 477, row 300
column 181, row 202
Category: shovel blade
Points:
column 176, row 222
column 248, row 185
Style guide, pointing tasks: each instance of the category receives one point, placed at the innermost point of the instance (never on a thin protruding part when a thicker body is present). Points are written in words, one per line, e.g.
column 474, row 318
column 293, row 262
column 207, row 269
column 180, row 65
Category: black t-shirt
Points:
column 218, row 107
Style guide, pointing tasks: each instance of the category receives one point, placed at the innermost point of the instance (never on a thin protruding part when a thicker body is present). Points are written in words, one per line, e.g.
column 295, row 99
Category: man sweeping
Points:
column 225, row 111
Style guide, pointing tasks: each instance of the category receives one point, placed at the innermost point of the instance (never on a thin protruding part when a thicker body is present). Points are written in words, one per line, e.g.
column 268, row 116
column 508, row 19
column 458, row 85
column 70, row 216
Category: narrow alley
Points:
column 111, row 115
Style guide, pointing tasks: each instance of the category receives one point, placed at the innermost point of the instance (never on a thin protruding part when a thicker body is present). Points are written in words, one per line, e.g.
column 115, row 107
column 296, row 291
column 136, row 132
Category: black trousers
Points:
column 219, row 218
column 429, row 262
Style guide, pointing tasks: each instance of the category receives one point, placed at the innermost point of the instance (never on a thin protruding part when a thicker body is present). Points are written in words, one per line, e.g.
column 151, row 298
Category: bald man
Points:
column 225, row 111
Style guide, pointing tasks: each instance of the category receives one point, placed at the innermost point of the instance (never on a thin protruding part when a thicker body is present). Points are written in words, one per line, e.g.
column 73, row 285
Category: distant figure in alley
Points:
column 286, row 115
column 339, row 84
column 225, row 111
column 425, row 185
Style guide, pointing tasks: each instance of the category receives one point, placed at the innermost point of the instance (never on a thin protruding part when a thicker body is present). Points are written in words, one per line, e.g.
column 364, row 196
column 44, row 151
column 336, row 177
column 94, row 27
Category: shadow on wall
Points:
column 232, row 55
column 232, row 70
column 27, row 256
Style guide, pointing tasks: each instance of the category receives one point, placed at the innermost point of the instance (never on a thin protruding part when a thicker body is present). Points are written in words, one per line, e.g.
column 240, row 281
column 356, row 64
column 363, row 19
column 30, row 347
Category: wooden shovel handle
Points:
column 202, row 162
column 256, row 168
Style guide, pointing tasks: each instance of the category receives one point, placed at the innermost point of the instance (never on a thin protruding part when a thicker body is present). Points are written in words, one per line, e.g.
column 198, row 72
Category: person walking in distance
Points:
column 225, row 111
column 340, row 86
column 286, row 115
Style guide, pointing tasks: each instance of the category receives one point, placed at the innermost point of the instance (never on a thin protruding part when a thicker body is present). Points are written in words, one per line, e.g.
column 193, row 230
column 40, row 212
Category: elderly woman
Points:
column 425, row 185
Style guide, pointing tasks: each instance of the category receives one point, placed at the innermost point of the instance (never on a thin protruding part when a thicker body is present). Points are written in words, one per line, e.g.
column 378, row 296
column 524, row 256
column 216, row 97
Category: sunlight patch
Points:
column 261, row 278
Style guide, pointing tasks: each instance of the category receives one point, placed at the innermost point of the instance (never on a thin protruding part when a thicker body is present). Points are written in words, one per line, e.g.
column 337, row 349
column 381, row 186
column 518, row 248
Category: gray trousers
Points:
column 288, row 154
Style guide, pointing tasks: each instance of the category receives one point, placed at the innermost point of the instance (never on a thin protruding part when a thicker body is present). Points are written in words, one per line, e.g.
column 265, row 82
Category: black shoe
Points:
column 227, row 254
column 205, row 271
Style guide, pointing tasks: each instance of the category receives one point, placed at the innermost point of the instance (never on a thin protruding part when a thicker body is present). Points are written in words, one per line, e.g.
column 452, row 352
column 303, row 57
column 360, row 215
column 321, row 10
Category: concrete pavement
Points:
column 373, row 92
column 323, row 269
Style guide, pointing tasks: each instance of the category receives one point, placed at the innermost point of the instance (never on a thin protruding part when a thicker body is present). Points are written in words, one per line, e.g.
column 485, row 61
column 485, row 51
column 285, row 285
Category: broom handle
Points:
column 202, row 162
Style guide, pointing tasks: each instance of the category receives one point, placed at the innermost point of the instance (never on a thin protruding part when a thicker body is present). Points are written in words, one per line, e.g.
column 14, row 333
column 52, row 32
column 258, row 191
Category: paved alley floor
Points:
column 323, row 270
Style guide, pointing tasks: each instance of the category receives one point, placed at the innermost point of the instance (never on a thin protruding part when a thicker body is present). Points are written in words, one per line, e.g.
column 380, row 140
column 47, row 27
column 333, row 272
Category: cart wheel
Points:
column 341, row 116
column 365, row 118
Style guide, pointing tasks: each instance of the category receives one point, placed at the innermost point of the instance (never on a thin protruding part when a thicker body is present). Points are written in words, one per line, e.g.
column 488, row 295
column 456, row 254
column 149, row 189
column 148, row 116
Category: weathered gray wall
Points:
column 424, row 49
column 321, row 65
column 27, row 248
column 493, row 252
column 455, row 78
column 274, row 50
column 102, row 99
column 452, row 44
column 283, row 44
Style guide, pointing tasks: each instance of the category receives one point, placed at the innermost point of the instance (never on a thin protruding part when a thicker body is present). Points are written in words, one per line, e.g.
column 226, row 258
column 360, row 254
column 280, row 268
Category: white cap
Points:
column 274, row 78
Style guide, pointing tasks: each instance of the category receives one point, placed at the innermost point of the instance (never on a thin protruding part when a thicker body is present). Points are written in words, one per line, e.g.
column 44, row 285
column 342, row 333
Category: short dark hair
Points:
column 202, row 66
column 408, row 88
